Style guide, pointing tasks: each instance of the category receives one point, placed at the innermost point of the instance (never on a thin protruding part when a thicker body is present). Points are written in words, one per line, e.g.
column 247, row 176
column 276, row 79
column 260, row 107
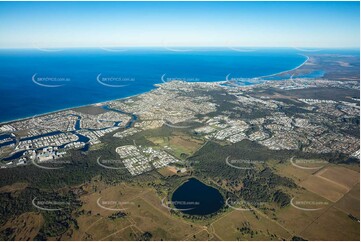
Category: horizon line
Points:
column 170, row 46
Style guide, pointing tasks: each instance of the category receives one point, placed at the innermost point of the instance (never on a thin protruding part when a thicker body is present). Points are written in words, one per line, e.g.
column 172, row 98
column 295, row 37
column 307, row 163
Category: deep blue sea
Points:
column 36, row 81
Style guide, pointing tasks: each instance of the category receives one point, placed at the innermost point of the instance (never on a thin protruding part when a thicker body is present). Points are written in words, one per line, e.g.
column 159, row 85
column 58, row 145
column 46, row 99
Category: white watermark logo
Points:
column 50, row 81
column 169, row 205
column 299, row 163
column 243, row 79
column 49, row 205
column 249, row 81
column 306, row 49
column 46, row 49
column 165, row 79
column 239, row 49
column 114, row 81
column 112, row 49
column 108, row 164
column 175, row 126
column 242, row 164
column 302, row 205
column 113, row 205
column 175, row 48
column 242, row 205
column 57, row 162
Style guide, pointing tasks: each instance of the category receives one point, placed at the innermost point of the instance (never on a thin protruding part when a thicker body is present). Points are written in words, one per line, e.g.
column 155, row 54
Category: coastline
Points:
column 279, row 73
column 69, row 108
column 123, row 98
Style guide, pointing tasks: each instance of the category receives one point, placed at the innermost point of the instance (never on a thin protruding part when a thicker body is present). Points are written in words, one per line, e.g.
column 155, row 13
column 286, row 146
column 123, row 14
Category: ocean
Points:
column 38, row 81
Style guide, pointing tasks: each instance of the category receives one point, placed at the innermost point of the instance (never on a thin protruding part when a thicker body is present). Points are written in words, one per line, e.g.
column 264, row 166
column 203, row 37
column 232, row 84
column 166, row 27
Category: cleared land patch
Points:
column 178, row 144
column 296, row 174
column 333, row 224
column 244, row 225
column 350, row 203
column 296, row 220
column 143, row 213
column 340, row 175
column 162, row 226
column 324, row 188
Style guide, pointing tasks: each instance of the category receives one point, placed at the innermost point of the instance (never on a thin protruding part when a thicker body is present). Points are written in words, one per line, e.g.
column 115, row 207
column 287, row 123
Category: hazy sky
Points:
column 92, row 24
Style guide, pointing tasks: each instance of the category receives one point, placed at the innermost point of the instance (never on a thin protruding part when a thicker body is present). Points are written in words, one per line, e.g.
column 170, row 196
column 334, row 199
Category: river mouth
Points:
column 196, row 198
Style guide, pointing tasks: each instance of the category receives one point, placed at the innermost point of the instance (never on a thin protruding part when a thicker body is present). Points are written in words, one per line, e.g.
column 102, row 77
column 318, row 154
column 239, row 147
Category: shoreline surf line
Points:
column 92, row 104
column 122, row 98
column 278, row 73
column 69, row 108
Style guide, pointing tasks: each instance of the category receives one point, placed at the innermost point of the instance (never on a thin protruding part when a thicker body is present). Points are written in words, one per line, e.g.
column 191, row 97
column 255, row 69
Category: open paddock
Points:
column 340, row 175
column 332, row 224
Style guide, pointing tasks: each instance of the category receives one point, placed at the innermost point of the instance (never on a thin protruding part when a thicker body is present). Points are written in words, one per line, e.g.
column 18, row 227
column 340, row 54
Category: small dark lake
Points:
column 196, row 198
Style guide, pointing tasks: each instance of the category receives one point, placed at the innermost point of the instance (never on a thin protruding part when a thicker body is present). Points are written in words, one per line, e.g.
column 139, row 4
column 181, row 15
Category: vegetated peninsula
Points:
column 282, row 155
